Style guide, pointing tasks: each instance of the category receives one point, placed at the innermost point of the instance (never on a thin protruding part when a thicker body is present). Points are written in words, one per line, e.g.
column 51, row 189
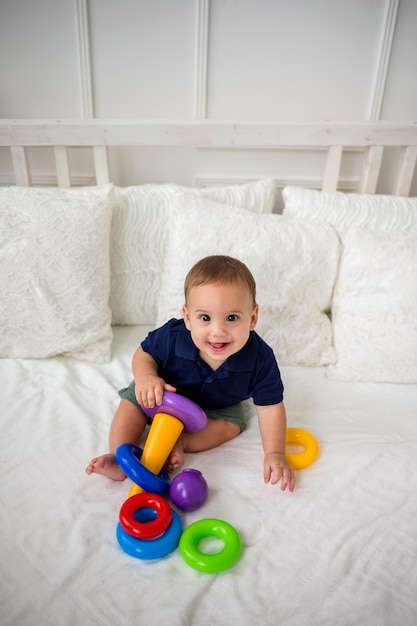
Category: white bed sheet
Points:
column 340, row 550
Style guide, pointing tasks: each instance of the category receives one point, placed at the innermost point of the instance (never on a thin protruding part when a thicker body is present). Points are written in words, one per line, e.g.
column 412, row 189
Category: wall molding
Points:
column 84, row 58
column 51, row 180
column 381, row 69
column 48, row 180
column 345, row 184
column 201, row 64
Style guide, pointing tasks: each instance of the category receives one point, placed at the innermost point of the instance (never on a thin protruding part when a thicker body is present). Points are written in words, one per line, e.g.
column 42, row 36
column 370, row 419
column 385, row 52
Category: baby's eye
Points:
column 232, row 318
column 204, row 317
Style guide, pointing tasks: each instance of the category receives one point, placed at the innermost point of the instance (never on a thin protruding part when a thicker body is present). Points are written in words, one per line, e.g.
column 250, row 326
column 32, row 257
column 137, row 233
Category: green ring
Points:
column 210, row 563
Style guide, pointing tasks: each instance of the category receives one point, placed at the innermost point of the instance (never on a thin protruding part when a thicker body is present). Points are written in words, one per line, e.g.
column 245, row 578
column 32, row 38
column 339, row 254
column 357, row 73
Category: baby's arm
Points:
column 273, row 427
column 149, row 386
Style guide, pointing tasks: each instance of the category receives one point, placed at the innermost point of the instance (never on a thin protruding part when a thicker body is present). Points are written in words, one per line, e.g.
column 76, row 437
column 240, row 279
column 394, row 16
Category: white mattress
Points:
column 340, row 550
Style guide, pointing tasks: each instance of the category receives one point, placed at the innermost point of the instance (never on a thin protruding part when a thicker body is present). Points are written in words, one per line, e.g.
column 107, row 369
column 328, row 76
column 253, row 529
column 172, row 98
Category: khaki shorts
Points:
column 234, row 414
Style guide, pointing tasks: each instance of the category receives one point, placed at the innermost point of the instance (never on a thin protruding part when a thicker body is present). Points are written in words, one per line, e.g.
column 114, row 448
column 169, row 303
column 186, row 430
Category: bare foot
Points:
column 106, row 465
column 176, row 458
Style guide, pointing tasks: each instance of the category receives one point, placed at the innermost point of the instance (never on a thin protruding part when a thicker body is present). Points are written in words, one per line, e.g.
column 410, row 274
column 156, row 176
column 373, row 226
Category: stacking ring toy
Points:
column 128, row 457
column 154, row 548
column 210, row 563
column 188, row 412
column 170, row 418
column 145, row 504
column 298, row 436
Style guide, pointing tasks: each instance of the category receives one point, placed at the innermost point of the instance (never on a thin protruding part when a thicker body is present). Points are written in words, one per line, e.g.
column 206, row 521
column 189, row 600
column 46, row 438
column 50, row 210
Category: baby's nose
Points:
column 218, row 329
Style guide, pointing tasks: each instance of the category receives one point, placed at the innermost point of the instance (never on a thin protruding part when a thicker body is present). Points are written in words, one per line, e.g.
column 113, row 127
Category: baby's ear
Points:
column 254, row 317
column 186, row 316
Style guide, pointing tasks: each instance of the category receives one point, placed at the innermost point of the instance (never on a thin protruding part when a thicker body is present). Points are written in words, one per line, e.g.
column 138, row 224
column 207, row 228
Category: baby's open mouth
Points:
column 218, row 346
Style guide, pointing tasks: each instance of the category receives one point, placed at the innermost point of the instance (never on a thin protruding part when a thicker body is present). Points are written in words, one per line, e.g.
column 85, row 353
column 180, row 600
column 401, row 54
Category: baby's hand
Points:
column 149, row 390
column 276, row 468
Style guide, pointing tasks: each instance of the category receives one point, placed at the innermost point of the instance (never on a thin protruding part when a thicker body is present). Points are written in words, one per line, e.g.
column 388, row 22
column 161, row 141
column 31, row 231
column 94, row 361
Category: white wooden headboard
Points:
column 371, row 138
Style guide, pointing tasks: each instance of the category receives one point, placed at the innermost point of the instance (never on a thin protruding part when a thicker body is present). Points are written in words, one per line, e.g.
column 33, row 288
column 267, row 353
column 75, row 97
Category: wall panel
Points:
column 38, row 59
column 143, row 56
column 274, row 59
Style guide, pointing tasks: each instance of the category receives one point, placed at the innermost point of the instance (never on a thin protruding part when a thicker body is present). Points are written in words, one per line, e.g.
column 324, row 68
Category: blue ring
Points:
column 151, row 548
column 128, row 457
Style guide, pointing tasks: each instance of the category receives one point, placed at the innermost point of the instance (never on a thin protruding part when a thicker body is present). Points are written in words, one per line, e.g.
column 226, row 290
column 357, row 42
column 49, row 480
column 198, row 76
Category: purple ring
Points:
column 188, row 412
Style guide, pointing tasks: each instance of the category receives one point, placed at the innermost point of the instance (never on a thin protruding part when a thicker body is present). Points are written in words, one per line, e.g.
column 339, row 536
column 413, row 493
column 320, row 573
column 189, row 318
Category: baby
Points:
column 214, row 357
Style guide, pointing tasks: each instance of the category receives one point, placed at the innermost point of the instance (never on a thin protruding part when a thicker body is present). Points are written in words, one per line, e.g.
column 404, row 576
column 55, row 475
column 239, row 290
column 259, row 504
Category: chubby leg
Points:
column 216, row 432
column 127, row 426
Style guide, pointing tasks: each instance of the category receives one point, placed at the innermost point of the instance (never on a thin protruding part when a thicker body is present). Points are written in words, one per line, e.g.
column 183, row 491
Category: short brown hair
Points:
column 220, row 269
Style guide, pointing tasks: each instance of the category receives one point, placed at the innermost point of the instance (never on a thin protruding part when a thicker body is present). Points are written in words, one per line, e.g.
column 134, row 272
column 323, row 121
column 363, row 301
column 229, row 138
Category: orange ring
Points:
column 151, row 528
column 298, row 436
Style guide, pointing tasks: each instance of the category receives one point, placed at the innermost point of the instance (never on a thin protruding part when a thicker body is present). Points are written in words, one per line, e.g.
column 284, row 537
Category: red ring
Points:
column 149, row 529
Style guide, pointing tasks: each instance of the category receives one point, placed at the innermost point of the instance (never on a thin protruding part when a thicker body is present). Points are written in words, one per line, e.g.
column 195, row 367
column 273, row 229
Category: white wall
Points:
column 218, row 59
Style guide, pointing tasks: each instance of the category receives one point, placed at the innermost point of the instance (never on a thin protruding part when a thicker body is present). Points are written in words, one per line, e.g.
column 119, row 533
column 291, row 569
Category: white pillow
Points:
column 139, row 238
column 55, row 273
column 374, row 308
column 294, row 265
column 343, row 210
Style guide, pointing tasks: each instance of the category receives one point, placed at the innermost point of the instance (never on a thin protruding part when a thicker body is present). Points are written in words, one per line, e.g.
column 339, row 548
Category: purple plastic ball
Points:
column 189, row 490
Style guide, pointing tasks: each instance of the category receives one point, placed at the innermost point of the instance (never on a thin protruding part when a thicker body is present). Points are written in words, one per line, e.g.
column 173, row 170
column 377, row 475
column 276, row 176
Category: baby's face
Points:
column 219, row 317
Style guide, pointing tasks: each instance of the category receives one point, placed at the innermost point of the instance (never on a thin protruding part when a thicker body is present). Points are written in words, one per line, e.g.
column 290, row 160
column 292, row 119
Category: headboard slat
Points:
column 101, row 165
column 62, row 166
column 406, row 171
column 20, row 166
column 370, row 169
column 332, row 169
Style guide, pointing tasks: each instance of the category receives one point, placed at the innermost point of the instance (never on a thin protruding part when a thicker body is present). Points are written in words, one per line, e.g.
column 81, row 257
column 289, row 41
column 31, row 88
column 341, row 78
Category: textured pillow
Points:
column 55, row 273
column 343, row 209
column 374, row 308
column 139, row 238
column 294, row 265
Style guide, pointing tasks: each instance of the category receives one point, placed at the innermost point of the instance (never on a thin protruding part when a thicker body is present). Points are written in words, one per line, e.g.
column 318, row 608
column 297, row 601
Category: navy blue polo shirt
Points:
column 250, row 373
